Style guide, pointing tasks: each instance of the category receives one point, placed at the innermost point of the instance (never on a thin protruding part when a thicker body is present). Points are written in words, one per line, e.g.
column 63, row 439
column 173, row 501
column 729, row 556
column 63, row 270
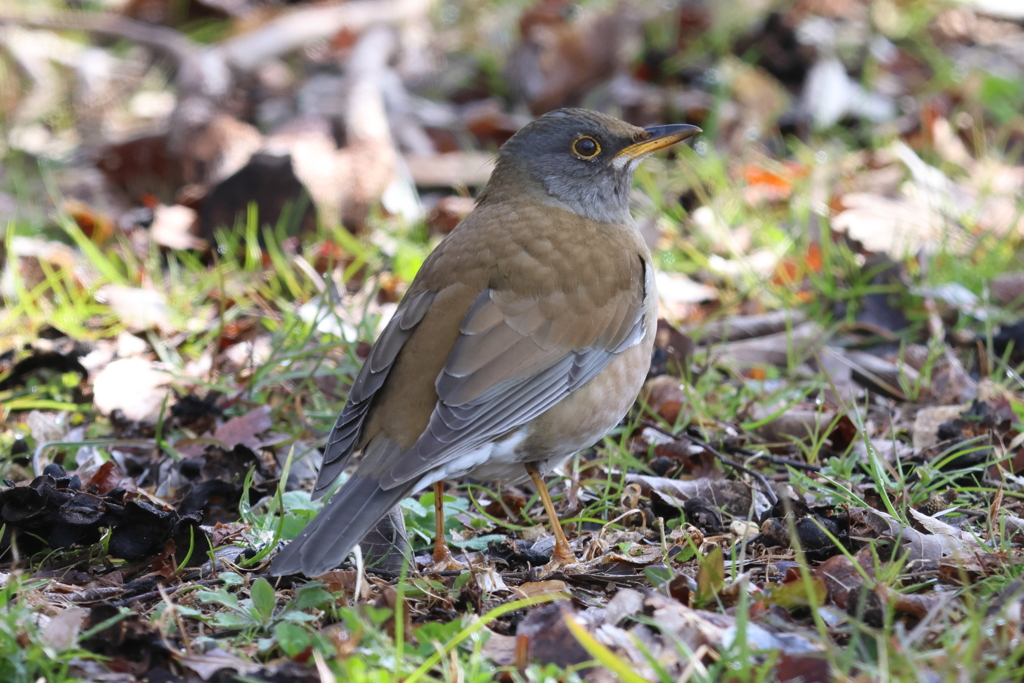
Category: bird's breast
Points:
column 590, row 412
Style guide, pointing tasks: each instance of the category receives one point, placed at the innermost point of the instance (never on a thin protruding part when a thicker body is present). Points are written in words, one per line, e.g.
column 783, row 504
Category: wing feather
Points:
column 507, row 369
column 347, row 429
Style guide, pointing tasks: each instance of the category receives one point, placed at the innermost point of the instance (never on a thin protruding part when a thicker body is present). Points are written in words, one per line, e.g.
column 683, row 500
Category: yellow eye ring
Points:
column 586, row 147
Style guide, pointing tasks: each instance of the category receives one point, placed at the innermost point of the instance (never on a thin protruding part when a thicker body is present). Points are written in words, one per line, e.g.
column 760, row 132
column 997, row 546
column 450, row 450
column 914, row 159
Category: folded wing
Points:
column 513, row 361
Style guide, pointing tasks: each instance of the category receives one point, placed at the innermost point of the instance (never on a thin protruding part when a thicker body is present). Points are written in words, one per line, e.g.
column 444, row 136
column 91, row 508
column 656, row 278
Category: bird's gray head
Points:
column 580, row 160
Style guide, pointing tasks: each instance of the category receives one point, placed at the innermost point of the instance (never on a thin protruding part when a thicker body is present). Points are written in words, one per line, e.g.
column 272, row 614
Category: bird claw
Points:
column 444, row 562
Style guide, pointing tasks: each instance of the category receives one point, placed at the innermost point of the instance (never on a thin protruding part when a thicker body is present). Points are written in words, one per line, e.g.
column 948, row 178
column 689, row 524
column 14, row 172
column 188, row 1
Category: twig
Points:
column 167, row 40
column 740, row 327
column 292, row 30
column 774, row 459
column 389, row 574
column 141, row 597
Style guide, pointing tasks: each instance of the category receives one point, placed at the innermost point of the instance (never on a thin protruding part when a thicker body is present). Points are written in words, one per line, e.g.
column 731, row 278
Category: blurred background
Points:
column 208, row 208
column 190, row 167
column 163, row 121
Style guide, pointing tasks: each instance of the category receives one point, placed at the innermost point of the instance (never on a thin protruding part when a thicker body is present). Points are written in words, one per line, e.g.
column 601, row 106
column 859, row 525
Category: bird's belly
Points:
column 590, row 412
column 499, row 462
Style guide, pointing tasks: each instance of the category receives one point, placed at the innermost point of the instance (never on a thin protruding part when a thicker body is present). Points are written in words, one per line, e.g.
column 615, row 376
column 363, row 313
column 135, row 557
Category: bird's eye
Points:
column 586, row 147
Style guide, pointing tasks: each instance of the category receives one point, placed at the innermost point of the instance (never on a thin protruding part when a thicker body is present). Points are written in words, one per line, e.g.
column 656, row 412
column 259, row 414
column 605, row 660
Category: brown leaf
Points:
column 698, row 628
column 731, row 496
column 638, row 555
column 534, row 588
column 943, row 541
column 490, row 123
column 664, row 396
column 841, row 577
column 894, row 226
column 244, row 429
column 794, row 593
column 770, row 182
column 510, row 503
column 499, row 648
column 558, row 60
column 626, row 603
column 31, row 253
column 347, row 580
column 143, row 166
column 805, row 668
column 679, row 295
column 915, row 604
column 927, row 421
column 108, row 477
column 551, row 642
column 97, row 226
column 954, row 541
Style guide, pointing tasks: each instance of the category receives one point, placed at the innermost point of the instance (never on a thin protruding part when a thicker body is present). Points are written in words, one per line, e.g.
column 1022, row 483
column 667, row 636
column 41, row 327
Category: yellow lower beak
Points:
column 658, row 137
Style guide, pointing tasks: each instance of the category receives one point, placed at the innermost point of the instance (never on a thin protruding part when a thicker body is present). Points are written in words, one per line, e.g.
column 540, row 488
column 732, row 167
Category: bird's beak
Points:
column 657, row 138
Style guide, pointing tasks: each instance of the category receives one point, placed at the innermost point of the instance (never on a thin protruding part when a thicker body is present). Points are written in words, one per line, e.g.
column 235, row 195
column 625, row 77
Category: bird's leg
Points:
column 563, row 553
column 443, row 560
column 441, row 551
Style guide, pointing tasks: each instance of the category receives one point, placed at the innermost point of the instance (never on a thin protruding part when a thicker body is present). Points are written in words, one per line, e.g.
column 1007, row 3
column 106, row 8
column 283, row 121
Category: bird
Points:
column 524, row 338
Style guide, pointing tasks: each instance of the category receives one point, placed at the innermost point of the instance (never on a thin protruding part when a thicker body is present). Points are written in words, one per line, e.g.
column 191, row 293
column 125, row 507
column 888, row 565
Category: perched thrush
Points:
column 524, row 338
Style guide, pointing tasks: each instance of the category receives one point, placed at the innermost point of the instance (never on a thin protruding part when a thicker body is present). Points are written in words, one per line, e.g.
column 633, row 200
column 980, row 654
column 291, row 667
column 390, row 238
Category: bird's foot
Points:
column 563, row 559
column 444, row 561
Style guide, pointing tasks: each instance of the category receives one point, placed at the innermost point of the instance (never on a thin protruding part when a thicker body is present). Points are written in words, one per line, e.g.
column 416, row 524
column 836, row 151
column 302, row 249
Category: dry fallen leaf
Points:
column 927, row 421
column 894, row 226
column 731, row 496
column 133, row 385
column 207, row 665
column 61, row 630
column 943, row 541
column 679, row 294
column 244, row 429
column 139, row 309
column 174, row 227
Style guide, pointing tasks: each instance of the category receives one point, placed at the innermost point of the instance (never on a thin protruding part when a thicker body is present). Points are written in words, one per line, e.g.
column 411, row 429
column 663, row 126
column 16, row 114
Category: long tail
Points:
column 337, row 529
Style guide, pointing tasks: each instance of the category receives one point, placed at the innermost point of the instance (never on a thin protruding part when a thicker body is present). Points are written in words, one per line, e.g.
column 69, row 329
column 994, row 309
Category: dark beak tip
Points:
column 684, row 130
column 659, row 137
